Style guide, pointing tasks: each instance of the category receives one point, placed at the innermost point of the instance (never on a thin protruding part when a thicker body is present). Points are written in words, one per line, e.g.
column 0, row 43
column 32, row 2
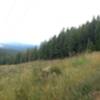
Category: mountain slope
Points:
column 76, row 78
column 13, row 48
column 16, row 46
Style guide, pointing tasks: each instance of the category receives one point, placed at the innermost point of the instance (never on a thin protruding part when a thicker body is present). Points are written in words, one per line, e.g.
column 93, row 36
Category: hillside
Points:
column 16, row 46
column 9, row 51
column 76, row 78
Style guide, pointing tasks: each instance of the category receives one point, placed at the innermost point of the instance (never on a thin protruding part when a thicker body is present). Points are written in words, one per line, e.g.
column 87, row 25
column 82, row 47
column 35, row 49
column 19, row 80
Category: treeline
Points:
column 69, row 42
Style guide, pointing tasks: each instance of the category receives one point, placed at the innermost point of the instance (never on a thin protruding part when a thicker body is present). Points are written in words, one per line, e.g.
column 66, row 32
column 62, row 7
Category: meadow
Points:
column 73, row 78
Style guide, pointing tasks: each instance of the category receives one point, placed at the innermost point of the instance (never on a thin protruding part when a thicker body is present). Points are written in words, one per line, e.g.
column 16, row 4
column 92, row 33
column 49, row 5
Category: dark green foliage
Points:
column 72, row 41
column 90, row 46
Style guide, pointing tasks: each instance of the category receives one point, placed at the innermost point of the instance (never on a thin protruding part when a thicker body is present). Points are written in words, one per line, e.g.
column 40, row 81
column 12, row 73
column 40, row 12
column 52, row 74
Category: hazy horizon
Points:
column 33, row 21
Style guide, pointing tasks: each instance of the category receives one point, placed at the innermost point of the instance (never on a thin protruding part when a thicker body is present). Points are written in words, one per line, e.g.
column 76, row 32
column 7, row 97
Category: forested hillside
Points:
column 68, row 43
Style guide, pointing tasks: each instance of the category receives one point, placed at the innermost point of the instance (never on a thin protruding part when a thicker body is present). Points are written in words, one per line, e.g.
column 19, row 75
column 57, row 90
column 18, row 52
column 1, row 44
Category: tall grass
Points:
column 75, row 78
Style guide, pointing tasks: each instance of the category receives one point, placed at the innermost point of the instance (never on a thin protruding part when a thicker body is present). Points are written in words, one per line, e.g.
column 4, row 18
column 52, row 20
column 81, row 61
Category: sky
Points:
column 33, row 21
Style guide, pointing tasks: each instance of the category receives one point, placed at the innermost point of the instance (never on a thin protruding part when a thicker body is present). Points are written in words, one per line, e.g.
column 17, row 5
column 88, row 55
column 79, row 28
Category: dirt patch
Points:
column 96, row 95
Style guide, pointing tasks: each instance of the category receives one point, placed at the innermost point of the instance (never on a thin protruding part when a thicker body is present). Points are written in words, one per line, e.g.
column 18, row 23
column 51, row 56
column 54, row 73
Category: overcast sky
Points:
column 33, row 21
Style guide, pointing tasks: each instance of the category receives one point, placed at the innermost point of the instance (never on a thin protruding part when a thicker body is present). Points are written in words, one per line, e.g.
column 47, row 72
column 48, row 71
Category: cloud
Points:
column 33, row 21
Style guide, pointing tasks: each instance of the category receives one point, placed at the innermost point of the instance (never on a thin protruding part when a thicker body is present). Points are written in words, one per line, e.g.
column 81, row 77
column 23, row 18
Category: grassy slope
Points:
column 79, row 79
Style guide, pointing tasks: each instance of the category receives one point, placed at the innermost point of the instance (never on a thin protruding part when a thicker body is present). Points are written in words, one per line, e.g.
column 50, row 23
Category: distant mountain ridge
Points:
column 16, row 46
